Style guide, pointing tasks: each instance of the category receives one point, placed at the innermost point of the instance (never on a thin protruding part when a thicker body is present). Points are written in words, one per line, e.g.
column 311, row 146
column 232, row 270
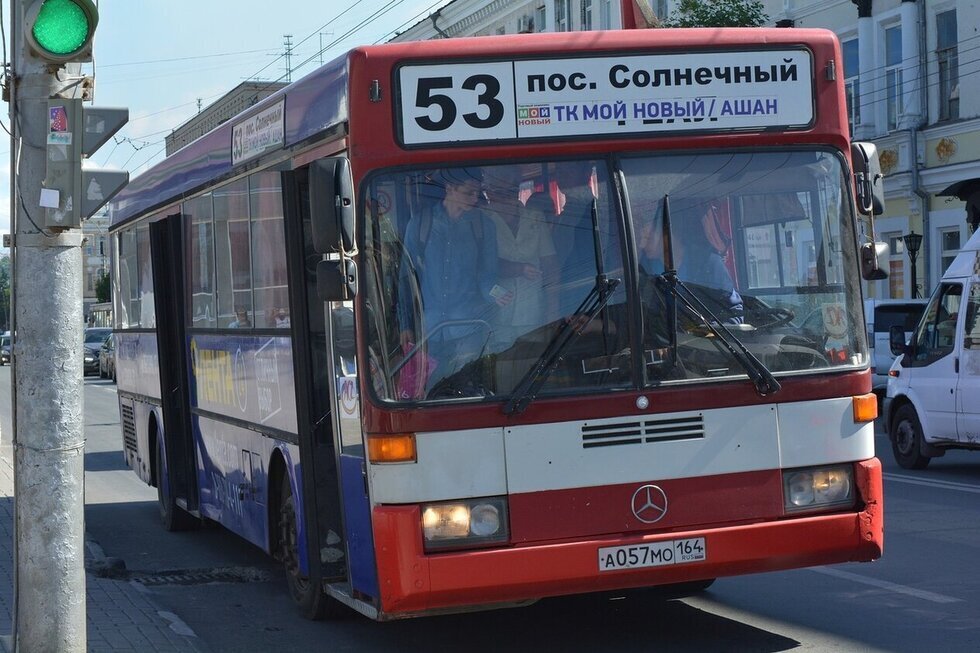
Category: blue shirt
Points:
column 703, row 268
column 574, row 239
column 455, row 270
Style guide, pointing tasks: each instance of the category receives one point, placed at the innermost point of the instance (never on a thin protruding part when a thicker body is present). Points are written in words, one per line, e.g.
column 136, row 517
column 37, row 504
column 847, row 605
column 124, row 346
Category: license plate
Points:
column 655, row 554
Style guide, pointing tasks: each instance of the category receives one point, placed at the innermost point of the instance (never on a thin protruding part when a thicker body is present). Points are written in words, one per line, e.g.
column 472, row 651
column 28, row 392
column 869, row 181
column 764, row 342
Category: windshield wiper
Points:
column 571, row 326
column 765, row 382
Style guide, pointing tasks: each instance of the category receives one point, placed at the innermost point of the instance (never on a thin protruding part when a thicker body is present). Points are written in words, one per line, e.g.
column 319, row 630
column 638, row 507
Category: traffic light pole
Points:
column 47, row 331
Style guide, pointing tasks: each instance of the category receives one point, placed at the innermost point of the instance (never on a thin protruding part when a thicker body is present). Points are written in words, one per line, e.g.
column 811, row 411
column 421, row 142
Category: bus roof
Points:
column 319, row 103
column 310, row 106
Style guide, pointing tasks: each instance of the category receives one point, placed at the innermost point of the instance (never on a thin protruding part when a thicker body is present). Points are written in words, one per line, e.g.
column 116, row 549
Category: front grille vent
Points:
column 642, row 432
column 128, row 427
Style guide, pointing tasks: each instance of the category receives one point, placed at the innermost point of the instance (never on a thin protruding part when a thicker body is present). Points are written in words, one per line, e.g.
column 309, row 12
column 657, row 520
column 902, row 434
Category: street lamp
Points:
column 913, row 242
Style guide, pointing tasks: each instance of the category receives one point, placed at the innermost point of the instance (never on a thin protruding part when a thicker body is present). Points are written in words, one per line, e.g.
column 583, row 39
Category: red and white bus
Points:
column 471, row 322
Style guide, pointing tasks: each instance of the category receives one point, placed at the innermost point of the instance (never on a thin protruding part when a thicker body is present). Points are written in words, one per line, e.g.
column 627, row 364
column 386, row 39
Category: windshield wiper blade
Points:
column 573, row 325
column 765, row 382
column 531, row 383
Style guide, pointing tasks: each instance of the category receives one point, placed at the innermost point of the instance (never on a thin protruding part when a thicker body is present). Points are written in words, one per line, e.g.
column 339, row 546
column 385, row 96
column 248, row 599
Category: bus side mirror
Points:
column 873, row 255
column 336, row 280
column 332, row 206
column 896, row 339
column 868, row 187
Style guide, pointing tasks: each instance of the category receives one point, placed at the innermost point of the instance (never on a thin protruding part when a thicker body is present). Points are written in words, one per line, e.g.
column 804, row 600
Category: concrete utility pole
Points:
column 48, row 405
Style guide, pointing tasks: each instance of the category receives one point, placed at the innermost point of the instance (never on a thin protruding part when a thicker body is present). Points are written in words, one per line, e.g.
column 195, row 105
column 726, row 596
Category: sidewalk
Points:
column 121, row 615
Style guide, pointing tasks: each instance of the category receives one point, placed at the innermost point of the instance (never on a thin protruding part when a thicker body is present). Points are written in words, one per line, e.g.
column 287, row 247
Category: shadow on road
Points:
column 105, row 461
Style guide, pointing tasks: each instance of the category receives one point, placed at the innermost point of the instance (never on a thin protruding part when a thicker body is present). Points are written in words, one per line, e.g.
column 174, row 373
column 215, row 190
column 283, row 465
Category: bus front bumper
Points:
column 412, row 582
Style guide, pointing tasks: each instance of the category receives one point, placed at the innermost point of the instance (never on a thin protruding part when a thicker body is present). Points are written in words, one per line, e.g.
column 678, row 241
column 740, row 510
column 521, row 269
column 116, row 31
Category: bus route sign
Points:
column 450, row 103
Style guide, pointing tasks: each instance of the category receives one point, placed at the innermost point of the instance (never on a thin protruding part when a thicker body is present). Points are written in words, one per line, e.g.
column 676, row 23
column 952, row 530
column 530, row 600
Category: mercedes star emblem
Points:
column 649, row 504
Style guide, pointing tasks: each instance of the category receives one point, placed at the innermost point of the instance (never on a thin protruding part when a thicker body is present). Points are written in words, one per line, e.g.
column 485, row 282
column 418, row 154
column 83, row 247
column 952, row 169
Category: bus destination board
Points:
column 453, row 103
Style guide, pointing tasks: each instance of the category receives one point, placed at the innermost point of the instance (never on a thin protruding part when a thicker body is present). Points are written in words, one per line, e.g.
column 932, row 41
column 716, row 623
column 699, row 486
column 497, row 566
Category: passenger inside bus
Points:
column 573, row 231
column 697, row 259
column 241, row 320
column 526, row 255
column 450, row 266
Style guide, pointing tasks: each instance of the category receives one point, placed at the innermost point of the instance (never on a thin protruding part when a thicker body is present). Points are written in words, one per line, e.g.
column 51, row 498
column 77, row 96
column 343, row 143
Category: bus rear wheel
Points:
column 307, row 593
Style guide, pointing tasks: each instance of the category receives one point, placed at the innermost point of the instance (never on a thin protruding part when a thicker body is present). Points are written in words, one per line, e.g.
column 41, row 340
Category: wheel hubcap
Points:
column 904, row 437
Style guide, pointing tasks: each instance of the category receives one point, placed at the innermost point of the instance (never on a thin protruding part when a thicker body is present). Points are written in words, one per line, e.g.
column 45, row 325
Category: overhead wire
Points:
column 378, row 13
column 879, row 72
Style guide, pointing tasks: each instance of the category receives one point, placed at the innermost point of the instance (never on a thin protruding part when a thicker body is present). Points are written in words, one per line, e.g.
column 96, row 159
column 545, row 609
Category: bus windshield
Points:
column 472, row 273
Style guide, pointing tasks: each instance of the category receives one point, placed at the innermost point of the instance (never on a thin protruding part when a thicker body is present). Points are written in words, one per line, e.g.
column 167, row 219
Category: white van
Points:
column 933, row 400
column 881, row 315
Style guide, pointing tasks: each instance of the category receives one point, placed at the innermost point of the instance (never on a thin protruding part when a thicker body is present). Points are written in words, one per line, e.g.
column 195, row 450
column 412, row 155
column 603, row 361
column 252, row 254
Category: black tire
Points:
column 307, row 593
column 905, row 433
column 172, row 516
column 683, row 590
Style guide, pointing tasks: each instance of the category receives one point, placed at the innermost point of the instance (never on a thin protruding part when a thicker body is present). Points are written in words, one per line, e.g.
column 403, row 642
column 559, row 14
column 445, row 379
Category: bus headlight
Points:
column 818, row 488
column 465, row 523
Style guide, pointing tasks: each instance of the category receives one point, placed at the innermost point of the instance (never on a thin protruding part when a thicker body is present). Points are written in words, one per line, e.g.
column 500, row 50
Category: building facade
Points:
column 224, row 108
column 908, row 67
column 488, row 17
column 95, row 257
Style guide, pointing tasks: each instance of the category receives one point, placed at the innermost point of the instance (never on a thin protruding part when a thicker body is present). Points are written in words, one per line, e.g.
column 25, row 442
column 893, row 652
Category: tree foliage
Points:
column 102, row 291
column 718, row 13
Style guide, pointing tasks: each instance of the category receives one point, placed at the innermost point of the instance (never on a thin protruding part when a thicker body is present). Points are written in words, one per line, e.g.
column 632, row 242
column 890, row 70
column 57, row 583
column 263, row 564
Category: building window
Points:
column 949, row 241
column 947, row 56
column 896, row 265
column 605, row 14
column 586, row 15
column 540, row 16
column 893, row 74
column 562, row 10
column 851, row 86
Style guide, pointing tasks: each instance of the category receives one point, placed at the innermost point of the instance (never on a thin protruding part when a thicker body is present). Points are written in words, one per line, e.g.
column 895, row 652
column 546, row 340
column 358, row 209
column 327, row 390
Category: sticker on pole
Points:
column 58, row 131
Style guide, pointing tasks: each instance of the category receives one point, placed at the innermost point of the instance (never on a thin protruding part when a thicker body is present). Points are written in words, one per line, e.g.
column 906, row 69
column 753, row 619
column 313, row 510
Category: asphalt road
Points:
column 921, row 596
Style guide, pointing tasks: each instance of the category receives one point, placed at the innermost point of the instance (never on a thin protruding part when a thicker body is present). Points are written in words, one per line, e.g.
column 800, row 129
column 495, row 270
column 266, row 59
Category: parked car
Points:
column 5, row 348
column 94, row 337
column 107, row 358
column 881, row 315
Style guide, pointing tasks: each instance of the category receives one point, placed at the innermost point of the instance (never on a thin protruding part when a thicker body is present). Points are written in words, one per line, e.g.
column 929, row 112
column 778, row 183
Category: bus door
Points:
column 165, row 255
column 333, row 482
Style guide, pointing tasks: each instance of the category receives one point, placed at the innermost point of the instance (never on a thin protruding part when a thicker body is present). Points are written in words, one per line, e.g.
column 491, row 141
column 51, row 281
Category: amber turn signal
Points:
column 399, row 448
column 865, row 407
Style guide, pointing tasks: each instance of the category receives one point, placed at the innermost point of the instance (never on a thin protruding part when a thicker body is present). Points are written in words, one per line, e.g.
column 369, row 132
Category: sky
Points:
column 160, row 59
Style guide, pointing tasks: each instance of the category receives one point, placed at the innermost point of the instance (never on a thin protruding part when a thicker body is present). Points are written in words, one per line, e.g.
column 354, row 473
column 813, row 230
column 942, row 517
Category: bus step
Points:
column 343, row 593
column 182, row 504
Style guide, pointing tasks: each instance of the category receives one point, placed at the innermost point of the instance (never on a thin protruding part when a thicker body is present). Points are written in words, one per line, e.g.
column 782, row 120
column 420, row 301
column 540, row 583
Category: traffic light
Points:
column 73, row 191
column 61, row 31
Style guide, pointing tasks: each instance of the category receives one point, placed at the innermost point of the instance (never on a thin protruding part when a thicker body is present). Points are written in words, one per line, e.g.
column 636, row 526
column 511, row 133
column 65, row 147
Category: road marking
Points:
column 885, row 585
column 936, row 483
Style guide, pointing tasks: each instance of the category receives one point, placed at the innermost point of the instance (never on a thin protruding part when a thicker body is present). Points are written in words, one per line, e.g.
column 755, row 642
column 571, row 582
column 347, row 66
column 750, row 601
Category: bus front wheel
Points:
column 307, row 593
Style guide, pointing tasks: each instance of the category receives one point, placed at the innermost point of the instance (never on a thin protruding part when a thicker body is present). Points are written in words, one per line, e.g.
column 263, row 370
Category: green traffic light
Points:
column 61, row 27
